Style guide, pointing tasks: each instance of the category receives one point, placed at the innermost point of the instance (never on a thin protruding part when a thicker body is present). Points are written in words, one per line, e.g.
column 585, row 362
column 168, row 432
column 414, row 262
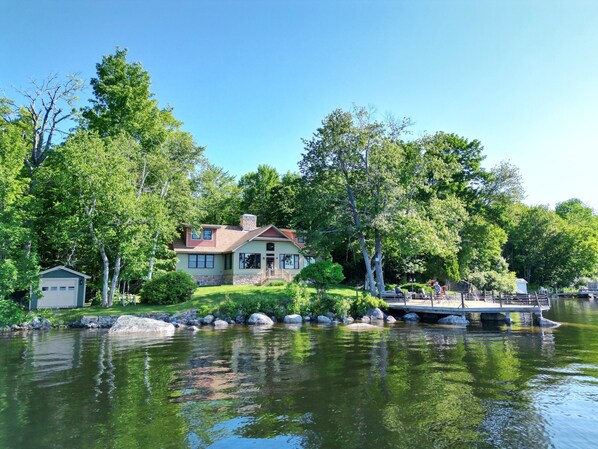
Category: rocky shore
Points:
column 192, row 321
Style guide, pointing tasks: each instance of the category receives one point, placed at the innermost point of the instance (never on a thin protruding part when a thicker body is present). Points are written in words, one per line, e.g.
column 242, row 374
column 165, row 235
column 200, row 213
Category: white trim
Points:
column 283, row 237
column 62, row 267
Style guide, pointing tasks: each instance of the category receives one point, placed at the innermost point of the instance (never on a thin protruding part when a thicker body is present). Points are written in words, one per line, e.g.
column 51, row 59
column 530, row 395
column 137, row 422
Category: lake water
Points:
column 407, row 386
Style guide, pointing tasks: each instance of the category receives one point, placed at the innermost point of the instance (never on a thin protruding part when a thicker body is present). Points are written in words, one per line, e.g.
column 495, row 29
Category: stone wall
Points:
column 208, row 279
column 246, row 279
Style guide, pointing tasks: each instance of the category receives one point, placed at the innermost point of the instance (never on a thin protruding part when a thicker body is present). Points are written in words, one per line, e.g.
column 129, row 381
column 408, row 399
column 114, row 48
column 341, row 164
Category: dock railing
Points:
column 527, row 299
column 524, row 299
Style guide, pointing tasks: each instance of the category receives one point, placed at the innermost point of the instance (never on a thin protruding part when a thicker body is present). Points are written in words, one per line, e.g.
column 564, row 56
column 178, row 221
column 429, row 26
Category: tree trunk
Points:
column 378, row 263
column 368, row 267
column 106, row 275
column 152, row 260
column 115, row 277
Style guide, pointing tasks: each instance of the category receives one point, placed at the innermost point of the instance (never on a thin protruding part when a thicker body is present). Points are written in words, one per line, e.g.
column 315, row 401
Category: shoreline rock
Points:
column 259, row 319
column 129, row 324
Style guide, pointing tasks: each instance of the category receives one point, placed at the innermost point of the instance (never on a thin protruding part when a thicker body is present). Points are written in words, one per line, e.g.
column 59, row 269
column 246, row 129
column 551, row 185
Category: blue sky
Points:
column 250, row 79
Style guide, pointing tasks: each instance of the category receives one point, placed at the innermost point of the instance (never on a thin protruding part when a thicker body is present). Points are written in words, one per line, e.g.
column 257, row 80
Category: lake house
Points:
column 240, row 255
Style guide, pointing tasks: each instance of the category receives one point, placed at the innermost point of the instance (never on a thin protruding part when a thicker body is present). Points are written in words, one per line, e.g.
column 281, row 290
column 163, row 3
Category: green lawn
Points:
column 205, row 299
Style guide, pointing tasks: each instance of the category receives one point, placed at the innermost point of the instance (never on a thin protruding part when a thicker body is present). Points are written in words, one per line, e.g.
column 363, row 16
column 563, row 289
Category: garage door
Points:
column 58, row 293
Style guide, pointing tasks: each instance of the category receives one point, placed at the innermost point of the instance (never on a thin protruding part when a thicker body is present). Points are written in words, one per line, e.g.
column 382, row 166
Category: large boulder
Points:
column 411, row 317
column 390, row 319
column 220, row 324
column 324, row 319
column 293, row 319
column 348, row 319
column 259, row 319
column 363, row 327
column 208, row 319
column 458, row 320
column 544, row 322
column 375, row 314
column 128, row 324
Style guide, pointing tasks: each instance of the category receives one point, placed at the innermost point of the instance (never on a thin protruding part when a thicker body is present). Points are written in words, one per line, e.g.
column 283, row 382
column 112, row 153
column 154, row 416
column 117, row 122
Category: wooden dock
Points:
column 466, row 303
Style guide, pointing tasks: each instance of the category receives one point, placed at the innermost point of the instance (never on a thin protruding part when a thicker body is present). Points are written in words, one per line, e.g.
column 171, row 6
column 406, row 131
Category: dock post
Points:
column 499, row 299
column 462, row 301
column 432, row 299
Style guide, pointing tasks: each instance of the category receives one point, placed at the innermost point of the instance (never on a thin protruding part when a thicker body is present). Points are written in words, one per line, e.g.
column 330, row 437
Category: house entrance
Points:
column 270, row 266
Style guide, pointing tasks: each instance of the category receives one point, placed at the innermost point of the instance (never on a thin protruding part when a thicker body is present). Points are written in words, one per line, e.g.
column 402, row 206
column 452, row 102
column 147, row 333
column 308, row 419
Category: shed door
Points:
column 58, row 293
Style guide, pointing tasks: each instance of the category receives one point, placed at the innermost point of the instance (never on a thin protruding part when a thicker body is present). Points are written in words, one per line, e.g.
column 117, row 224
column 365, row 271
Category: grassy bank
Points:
column 205, row 299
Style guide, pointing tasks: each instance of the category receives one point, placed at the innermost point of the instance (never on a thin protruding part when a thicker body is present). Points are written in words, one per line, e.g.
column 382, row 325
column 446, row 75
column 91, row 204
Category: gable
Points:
column 60, row 274
column 273, row 232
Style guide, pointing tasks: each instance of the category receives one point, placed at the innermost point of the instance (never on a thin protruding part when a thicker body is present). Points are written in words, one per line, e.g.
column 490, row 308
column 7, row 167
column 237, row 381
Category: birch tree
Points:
column 367, row 183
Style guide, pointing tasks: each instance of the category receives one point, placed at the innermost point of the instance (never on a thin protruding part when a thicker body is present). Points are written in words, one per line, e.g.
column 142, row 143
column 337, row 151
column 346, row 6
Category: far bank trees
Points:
column 365, row 183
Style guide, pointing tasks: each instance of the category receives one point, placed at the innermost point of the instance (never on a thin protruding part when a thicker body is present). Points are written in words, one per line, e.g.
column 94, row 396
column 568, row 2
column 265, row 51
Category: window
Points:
column 289, row 261
column 53, row 289
column 206, row 234
column 201, row 260
column 63, row 288
column 44, row 289
column 228, row 261
column 300, row 239
column 71, row 288
column 270, row 246
column 308, row 260
column 250, row 261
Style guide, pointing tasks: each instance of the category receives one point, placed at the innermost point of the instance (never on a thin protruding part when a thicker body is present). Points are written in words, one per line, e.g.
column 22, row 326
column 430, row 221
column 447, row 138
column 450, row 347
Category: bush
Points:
column 169, row 288
column 230, row 308
column 363, row 303
column 11, row 313
column 275, row 283
column 322, row 274
column 300, row 300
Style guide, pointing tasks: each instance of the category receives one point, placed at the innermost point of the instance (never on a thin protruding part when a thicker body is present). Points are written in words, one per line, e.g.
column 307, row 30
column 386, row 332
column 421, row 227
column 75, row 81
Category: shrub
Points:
column 363, row 303
column 300, row 300
column 322, row 274
column 168, row 288
column 11, row 313
column 275, row 283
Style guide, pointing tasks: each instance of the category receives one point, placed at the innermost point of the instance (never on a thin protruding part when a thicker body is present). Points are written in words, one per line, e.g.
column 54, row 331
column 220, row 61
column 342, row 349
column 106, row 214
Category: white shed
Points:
column 521, row 285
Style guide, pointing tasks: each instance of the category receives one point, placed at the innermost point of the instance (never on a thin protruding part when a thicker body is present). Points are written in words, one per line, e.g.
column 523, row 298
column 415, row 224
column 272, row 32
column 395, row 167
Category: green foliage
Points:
column 18, row 259
column 492, row 280
column 244, row 307
column 322, row 274
column 549, row 250
column 11, row 312
column 168, row 288
column 276, row 283
column 300, row 301
column 364, row 302
column 417, row 288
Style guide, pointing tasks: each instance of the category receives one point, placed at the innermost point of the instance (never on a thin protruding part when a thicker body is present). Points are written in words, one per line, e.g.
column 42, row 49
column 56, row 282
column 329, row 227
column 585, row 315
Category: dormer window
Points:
column 205, row 234
column 301, row 239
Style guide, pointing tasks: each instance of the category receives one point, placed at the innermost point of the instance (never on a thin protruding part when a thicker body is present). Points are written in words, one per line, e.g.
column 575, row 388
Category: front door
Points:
column 270, row 267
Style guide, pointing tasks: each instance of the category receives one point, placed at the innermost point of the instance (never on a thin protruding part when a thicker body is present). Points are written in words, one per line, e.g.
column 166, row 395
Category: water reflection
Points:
column 310, row 387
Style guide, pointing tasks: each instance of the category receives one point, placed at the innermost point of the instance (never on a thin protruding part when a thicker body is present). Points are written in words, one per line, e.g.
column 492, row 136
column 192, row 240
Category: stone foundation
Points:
column 203, row 280
column 246, row 279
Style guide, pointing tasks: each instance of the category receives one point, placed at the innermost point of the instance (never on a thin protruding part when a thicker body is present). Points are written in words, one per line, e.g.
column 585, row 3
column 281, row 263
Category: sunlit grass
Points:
column 205, row 300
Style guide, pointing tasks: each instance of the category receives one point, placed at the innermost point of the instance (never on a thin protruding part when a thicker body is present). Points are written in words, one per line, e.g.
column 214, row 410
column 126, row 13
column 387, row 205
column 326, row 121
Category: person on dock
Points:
column 437, row 289
column 399, row 292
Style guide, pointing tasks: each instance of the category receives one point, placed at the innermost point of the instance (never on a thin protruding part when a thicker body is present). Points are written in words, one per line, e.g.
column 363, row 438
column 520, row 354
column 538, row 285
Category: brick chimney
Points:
column 248, row 222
